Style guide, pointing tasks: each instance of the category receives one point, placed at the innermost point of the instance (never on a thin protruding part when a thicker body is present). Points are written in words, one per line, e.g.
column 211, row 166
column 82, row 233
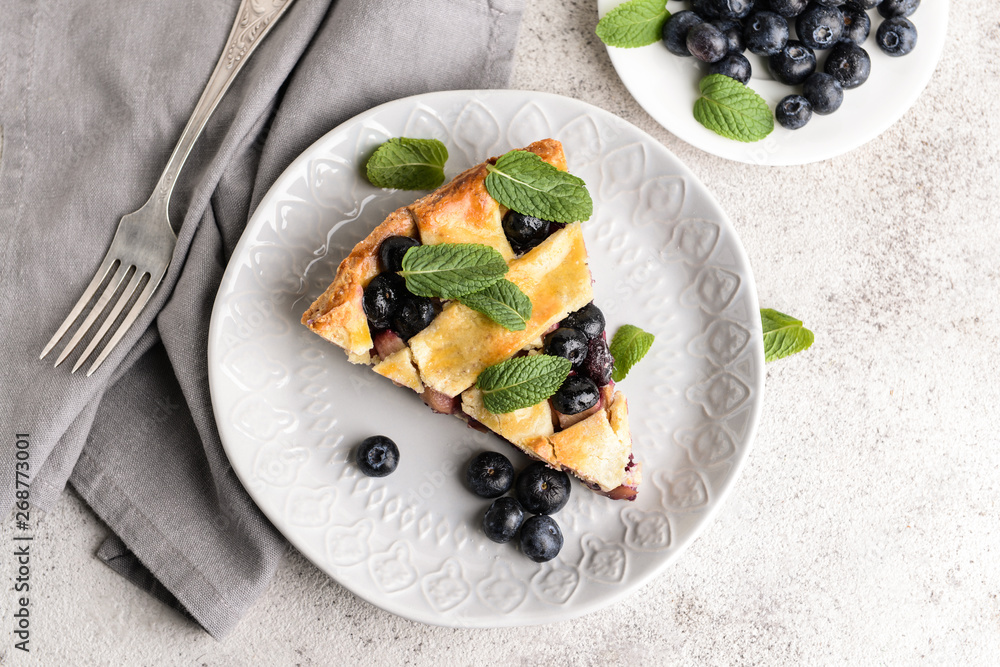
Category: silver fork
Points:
column 144, row 242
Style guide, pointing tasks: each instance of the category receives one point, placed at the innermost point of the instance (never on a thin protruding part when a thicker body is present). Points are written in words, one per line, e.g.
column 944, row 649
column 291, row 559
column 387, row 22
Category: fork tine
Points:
column 116, row 280
column 127, row 322
column 130, row 288
column 88, row 294
column 130, row 318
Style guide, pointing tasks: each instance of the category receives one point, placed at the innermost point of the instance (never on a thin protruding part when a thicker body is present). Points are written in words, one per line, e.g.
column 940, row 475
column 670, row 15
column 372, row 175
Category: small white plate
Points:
column 666, row 86
column 291, row 409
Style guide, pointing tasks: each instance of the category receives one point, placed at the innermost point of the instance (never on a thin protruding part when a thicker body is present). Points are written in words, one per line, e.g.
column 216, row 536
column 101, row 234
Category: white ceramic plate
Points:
column 291, row 409
column 666, row 86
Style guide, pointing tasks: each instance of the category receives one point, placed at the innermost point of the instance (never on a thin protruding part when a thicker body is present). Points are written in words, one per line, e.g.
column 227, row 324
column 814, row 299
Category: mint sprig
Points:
column 503, row 302
column 732, row 110
column 629, row 345
column 451, row 270
column 522, row 382
column 783, row 335
column 402, row 163
column 634, row 23
column 522, row 181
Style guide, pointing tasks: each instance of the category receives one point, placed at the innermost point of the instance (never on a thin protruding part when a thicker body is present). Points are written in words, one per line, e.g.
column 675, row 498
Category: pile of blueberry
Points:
column 538, row 490
column 581, row 339
column 719, row 31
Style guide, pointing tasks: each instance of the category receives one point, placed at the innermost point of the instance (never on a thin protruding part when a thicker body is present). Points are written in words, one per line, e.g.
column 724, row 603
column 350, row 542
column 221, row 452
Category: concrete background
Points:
column 863, row 529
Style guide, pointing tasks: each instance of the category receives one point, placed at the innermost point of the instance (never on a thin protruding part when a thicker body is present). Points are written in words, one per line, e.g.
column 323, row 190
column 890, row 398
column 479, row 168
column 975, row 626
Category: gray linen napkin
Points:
column 92, row 98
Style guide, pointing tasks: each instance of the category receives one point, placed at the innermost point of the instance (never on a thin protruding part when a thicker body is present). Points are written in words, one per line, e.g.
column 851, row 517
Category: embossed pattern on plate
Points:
column 290, row 407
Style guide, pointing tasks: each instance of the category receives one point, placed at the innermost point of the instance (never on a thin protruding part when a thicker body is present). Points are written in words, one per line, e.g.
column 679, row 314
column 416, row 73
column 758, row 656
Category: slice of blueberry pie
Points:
column 391, row 306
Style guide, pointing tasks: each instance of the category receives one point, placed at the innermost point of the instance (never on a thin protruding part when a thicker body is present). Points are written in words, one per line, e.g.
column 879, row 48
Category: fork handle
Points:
column 254, row 20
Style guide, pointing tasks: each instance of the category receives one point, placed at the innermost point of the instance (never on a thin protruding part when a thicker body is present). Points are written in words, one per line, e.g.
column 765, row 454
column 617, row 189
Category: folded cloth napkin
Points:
column 92, row 98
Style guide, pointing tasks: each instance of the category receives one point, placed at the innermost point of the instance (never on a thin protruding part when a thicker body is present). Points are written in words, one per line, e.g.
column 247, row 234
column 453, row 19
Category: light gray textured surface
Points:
column 863, row 528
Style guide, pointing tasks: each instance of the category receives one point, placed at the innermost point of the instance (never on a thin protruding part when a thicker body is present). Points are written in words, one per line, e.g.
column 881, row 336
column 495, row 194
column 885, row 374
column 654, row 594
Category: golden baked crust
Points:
column 461, row 343
column 461, row 211
column 338, row 315
column 399, row 368
column 519, row 426
column 594, row 449
column 447, row 356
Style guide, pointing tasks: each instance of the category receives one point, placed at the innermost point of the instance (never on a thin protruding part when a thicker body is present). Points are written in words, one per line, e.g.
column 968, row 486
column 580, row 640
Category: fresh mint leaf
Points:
column 451, row 270
column 503, row 302
column 783, row 335
column 629, row 345
column 732, row 110
column 633, row 23
column 522, row 181
column 408, row 164
column 522, row 382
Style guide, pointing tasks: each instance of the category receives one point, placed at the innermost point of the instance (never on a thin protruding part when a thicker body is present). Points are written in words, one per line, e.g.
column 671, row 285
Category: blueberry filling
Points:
column 415, row 315
column 598, row 364
column 577, row 393
column 383, row 298
column 589, row 320
column 391, row 251
column 388, row 305
column 567, row 343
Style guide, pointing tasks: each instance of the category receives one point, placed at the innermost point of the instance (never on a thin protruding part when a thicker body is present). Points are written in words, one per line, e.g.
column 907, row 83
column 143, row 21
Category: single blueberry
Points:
column 706, row 9
column 733, row 32
column 415, row 314
column 599, row 362
column 391, row 251
column 793, row 112
column 857, row 24
column 792, row 64
column 849, row 64
column 706, row 42
column 577, row 393
column 823, row 92
column 524, row 231
column 377, row 456
column 765, row 33
column 567, row 343
column 893, row 8
column 820, row 27
column 789, row 8
column 896, row 36
column 383, row 298
column 490, row 474
column 730, row 9
column 542, row 490
column 675, row 31
column 503, row 519
column 734, row 65
column 589, row 320
column 541, row 538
